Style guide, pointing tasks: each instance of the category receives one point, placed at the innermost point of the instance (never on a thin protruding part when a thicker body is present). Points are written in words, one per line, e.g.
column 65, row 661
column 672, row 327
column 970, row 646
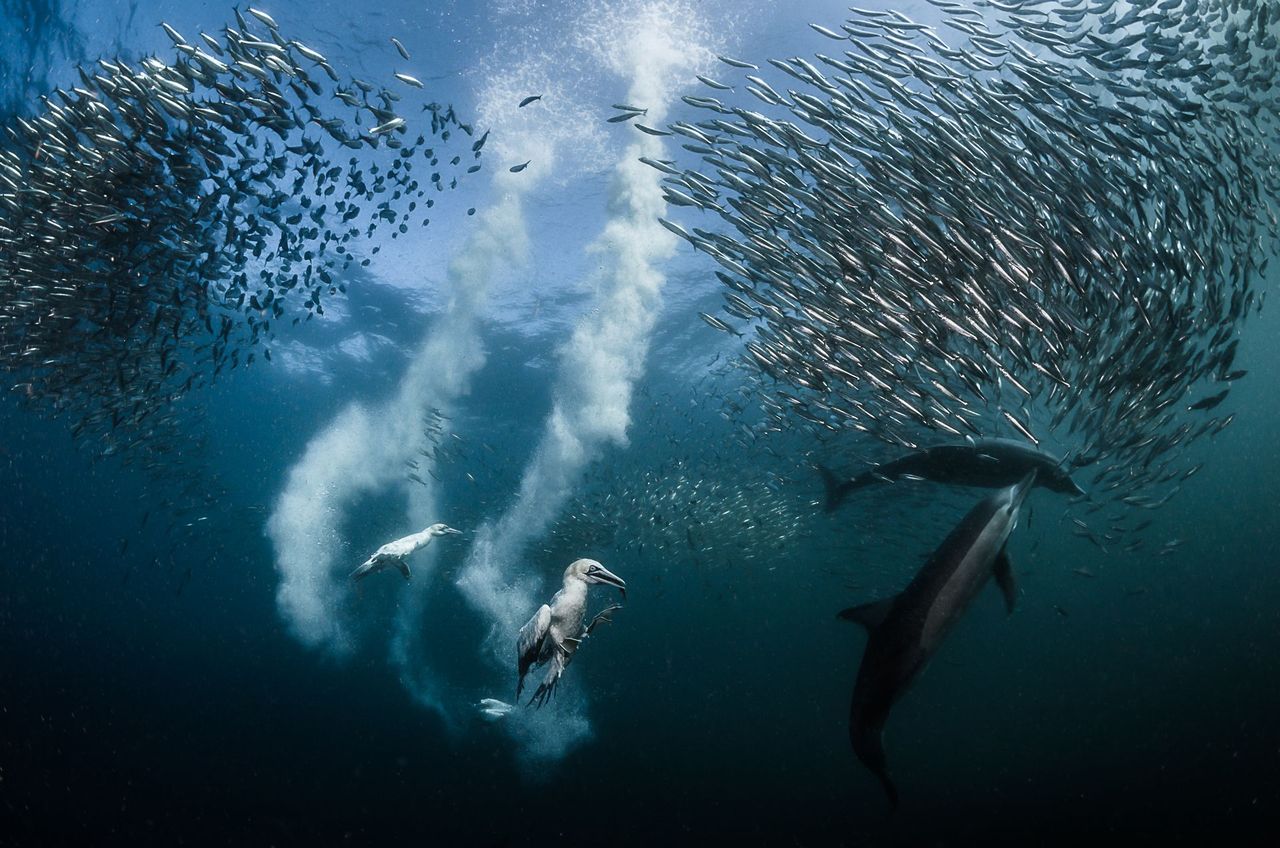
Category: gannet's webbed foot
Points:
column 600, row 618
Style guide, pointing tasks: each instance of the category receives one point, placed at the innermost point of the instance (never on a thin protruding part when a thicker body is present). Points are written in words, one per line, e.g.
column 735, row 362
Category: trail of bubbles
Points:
column 364, row 449
column 656, row 47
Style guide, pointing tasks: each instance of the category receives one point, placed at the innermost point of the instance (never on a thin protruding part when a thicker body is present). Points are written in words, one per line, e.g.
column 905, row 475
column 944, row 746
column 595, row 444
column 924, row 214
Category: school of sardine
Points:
column 161, row 219
column 1051, row 230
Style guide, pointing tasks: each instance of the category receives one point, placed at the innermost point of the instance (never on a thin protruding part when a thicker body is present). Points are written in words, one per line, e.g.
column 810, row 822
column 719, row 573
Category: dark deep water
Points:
column 151, row 693
column 132, row 713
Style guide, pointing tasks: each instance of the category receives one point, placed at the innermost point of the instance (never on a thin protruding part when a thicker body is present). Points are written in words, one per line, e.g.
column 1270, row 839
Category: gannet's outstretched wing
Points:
column 400, row 547
column 530, row 643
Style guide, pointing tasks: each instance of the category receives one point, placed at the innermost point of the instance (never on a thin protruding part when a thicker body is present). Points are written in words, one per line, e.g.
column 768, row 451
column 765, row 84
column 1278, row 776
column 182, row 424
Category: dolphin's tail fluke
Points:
column 889, row 789
column 836, row 488
column 868, row 744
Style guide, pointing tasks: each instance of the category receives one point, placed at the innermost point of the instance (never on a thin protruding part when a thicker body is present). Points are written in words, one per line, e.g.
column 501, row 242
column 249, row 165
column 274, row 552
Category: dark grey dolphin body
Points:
column 906, row 630
column 990, row 463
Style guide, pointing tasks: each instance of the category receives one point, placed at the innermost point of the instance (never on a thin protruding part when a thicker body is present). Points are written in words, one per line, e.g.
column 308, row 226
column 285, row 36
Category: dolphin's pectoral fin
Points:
column 868, row 615
column 403, row 567
column 1004, row 579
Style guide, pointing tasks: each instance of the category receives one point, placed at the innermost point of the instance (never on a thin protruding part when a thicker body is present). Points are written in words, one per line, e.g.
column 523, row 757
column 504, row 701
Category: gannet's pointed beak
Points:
column 449, row 531
column 604, row 575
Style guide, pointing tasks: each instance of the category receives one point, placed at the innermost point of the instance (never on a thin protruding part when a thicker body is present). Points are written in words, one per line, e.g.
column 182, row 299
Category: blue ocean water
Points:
column 221, row 683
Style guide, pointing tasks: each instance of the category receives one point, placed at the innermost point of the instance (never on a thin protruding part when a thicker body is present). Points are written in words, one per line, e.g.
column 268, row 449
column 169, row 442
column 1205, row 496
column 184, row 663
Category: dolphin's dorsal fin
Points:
column 868, row 615
column 1004, row 579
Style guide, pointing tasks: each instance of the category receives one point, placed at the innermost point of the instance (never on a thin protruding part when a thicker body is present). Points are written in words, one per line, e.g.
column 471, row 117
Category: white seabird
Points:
column 396, row 553
column 555, row 631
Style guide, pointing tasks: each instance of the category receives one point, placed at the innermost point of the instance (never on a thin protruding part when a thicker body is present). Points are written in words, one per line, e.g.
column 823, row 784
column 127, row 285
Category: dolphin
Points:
column 906, row 630
column 990, row 463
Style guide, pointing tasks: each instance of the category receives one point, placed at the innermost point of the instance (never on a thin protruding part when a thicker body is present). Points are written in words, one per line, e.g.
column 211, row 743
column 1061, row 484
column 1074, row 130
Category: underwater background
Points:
column 178, row 674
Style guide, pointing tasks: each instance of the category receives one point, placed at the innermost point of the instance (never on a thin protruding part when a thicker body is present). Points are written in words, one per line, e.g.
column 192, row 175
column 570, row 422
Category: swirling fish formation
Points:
column 1051, row 231
column 160, row 219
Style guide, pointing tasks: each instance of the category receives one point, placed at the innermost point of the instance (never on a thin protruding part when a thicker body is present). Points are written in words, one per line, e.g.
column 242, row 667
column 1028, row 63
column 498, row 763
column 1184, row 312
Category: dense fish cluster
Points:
column 664, row 501
column 1050, row 231
column 162, row 218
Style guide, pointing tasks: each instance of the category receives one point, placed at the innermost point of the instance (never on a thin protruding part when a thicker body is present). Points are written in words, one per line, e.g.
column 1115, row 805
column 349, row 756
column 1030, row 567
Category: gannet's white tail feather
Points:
column 365, row 569
column 555, row 668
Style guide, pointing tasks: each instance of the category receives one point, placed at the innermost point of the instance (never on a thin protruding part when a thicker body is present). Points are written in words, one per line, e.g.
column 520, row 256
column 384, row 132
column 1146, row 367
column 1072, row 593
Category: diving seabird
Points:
column 555, row 631
column 396, row 553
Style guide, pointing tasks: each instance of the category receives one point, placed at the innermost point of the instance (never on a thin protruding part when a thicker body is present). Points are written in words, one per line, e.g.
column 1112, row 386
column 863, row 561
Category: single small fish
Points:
column 530, row 99
column 393, row 124
column 400, row 47
column 1209, row 402
column 515, row 169
column 264, row 17
column 713, row 321
column 650, row 130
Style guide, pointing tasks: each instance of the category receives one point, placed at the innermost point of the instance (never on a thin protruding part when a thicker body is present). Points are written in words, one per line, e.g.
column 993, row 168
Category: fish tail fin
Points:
column 836, row 489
